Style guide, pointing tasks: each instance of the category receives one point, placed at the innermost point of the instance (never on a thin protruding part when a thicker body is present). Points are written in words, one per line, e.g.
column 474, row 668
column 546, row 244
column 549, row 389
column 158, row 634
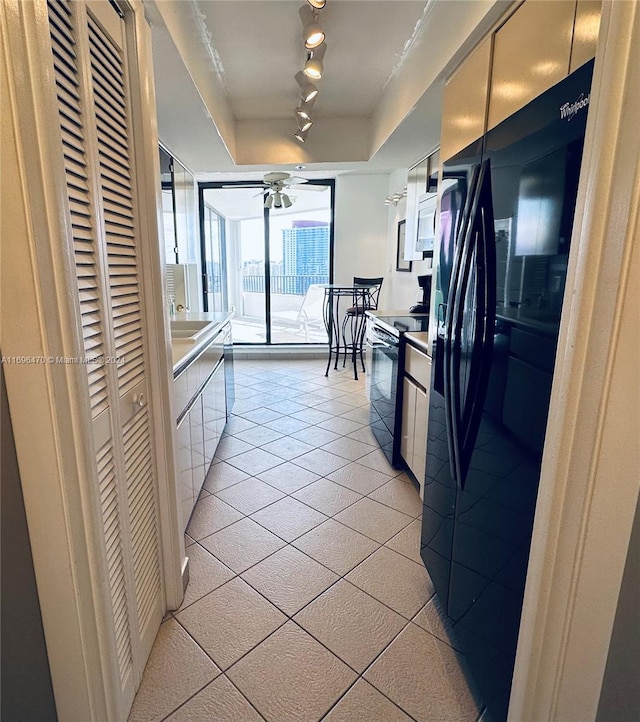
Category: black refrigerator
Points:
column 506, row 216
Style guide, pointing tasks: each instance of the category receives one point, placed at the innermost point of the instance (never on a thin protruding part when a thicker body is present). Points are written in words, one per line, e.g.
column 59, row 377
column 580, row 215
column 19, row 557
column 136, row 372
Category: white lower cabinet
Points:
column 196, row 427
column 214, row 413
column 415, row 416
column 200, row 395
column 185, row 475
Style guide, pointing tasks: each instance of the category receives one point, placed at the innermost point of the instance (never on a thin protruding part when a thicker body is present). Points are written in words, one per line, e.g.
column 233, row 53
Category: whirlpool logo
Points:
column 569, row 110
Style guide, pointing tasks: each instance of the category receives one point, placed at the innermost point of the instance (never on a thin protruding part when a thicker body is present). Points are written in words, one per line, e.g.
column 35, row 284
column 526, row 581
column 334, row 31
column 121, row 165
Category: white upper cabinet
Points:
column 465, row 102
column 532, row 52
column 585, row 32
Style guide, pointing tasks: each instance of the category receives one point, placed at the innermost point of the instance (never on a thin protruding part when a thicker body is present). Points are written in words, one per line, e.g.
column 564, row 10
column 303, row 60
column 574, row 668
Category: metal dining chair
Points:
column 354, row 314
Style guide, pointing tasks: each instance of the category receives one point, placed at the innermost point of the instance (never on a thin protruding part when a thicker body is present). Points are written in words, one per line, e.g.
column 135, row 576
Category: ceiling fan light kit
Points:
column 314, row 42
column 275, row 184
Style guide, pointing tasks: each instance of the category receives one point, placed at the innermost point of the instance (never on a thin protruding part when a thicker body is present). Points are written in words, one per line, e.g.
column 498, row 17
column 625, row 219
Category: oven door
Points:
column 384, row 351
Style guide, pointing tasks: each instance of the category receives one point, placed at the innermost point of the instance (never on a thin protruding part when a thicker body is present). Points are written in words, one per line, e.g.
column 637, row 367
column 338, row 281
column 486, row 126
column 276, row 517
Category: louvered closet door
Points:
column 114, row 135
column 91, row 83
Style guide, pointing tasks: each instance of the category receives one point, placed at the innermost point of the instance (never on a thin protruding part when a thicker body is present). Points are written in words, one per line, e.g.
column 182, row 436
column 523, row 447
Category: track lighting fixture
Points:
column 314, row 67
column 301, row 114
column 314, row 41
column 312, row 33
column 308, row 90
column 303, row 111
column 396, row 197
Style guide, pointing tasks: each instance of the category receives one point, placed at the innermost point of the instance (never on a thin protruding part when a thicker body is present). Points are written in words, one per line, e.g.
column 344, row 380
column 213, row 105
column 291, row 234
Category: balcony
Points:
column 296, row 317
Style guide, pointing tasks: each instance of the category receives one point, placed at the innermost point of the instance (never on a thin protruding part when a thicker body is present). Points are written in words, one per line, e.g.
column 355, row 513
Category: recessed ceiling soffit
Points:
column 242, row 57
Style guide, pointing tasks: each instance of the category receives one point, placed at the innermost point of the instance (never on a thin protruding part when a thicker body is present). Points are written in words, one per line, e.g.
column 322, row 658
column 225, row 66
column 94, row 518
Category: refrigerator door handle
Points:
column 477, row 267
column 452, row 325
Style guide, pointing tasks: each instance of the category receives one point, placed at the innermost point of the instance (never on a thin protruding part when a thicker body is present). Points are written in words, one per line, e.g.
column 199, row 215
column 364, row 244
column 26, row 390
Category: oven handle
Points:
column 384, row 338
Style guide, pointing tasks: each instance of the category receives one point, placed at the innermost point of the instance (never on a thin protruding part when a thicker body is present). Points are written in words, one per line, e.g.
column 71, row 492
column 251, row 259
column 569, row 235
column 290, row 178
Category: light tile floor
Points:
column 308, row 600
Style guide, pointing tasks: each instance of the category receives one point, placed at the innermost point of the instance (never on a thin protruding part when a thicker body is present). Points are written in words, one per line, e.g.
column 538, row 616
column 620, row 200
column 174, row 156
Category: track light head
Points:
column 301, row 135
column 312, row 33
column 303, row 111
column 305, row 124
column 308, row 90
column 317, row 4
column 314, row 66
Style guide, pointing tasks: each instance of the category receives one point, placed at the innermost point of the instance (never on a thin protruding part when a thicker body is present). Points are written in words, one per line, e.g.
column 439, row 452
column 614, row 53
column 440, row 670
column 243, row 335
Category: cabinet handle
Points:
column 139, row 400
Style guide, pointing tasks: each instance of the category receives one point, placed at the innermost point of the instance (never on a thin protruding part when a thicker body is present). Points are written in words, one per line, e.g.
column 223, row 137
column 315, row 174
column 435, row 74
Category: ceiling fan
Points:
column 275, row 184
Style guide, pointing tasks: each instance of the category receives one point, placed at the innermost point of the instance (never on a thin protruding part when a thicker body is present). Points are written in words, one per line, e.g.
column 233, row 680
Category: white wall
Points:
column 360, row 227
column 400, row 289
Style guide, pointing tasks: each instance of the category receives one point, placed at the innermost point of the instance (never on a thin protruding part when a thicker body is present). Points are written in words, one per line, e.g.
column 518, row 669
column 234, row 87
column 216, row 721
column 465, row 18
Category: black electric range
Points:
column 385, row 348
column 398, row 324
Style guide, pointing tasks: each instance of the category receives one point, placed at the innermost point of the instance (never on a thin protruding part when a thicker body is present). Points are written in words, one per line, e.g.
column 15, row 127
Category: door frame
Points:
column 204, row 185
column 589, row 484
column 48, row 401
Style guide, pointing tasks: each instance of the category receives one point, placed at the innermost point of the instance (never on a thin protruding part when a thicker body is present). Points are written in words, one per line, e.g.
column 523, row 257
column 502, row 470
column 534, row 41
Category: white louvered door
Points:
column 88, row 45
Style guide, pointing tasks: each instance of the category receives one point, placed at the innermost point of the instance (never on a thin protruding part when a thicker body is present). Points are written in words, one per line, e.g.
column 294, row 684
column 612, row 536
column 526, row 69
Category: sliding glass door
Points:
column 299, row 251
column 273, row 261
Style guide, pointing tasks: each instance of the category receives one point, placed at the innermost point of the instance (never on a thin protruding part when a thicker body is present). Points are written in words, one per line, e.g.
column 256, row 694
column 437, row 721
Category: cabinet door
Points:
column 197, row 447
column 185, row 473
column 464, row 103
column 585, row 32
column 421, row 418
column 214, row 407
column 409, row 390
column 531, row 54
column 220, row 391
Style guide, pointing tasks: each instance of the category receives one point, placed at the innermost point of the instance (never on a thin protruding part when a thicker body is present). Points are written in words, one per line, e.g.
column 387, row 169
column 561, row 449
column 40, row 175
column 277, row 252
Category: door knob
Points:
column 139, row 400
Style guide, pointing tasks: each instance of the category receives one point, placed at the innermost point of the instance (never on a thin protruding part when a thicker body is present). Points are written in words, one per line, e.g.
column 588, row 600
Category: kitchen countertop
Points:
column 395, row 312
column 419, row 339
column 184, row 350
column 400, row 322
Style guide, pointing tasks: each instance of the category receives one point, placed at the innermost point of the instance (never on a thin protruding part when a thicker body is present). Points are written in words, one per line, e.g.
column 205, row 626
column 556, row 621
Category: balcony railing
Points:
column 286, row 285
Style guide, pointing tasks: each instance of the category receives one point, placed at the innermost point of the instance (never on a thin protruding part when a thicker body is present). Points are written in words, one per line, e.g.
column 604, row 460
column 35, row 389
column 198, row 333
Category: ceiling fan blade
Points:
column 294, row 180
column 311, row 187
column 246, row 184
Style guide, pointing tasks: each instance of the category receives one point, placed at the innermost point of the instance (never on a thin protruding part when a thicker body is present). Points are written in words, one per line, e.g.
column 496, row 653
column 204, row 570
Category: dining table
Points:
column 352, row 300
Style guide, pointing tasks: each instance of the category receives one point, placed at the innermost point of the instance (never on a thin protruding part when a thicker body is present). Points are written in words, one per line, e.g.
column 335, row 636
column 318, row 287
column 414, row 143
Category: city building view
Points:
column 298, row 267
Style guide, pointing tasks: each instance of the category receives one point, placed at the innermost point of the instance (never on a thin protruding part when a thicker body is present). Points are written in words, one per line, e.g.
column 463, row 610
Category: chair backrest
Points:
column 374, row 291
column 311, row 308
